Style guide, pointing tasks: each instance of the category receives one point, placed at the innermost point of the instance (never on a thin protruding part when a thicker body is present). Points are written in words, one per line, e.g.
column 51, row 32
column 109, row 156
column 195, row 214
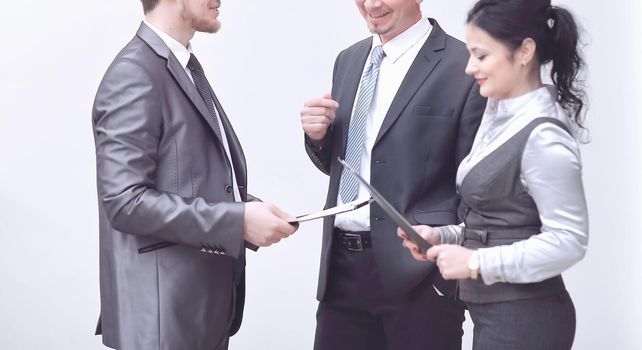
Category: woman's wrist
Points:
column 473, row 265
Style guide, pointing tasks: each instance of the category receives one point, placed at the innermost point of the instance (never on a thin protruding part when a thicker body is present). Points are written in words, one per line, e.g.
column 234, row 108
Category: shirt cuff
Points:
column 490, row 265
column 449, row 234
column 309, row 144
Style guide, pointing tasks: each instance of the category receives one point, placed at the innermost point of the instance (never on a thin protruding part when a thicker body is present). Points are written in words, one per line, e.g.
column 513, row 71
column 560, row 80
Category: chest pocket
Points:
column 433, row 111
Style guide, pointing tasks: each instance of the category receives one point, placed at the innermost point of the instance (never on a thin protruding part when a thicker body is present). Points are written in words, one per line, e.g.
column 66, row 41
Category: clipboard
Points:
column 390, row 210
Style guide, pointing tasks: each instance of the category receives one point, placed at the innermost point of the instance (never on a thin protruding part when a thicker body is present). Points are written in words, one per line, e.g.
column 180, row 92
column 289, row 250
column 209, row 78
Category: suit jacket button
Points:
column 228, row 189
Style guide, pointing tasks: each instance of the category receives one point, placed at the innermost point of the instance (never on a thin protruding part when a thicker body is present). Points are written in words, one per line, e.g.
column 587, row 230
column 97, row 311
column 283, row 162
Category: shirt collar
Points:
column 181, row 52
column 507, row 108
column 403, row 42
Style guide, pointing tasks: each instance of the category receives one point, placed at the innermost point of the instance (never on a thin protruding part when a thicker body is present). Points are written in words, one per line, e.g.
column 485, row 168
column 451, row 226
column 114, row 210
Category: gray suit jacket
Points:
column 427, row 131
column 163, row 176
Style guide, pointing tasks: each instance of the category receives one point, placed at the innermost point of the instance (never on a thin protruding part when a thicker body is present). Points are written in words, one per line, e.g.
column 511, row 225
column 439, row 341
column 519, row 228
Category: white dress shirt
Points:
column 182, row 54
column 551, row 172
column 400, row 52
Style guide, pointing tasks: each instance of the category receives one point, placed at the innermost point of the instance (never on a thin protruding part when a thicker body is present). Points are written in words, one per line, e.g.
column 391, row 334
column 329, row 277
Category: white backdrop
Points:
column 268, row 58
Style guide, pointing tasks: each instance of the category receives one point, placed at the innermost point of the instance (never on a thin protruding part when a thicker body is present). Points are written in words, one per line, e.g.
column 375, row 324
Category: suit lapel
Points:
column 178, row 72
column 188, row 87
column 428, row 58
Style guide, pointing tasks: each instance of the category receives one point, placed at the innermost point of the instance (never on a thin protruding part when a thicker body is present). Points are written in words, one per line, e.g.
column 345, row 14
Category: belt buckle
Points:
column 348, row 239
column 478, row 235
column 483, row 236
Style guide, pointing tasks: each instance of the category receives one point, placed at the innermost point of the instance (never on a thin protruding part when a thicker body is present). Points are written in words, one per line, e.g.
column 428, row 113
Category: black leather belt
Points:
column 514, row 234
column 354, row 241
column 477, row 235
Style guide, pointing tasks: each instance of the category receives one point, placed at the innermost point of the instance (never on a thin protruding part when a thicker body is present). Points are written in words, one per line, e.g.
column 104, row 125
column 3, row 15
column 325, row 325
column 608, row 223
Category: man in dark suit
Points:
column 174, row 211
column 404, row 113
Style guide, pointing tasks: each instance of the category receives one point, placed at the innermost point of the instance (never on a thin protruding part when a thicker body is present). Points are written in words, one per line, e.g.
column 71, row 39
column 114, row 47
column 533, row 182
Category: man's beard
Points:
column 206, row 25
column 380, row 31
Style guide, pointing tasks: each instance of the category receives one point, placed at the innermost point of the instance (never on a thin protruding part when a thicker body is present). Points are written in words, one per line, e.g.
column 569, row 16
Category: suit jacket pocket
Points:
column 155, row 246
column 433, row 111
column 436, row 218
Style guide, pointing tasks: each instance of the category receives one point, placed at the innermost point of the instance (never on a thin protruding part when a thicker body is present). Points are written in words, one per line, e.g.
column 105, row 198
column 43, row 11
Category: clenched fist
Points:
column 317, row 116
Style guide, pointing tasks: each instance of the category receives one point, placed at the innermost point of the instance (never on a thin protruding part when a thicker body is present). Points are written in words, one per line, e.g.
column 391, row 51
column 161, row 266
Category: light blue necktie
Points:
column 349, row 185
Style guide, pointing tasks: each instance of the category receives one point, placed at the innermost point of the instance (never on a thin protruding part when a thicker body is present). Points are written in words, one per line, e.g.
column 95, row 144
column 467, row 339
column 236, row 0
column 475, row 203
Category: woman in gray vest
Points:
column 524, row 212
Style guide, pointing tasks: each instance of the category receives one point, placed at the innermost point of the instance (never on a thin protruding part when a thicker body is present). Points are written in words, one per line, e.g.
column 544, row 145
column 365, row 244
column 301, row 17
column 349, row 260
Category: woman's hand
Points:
column 452, row 260
column 428, row 233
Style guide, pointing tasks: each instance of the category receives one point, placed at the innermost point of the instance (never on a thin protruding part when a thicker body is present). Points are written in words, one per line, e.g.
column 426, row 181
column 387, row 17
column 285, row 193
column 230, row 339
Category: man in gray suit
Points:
column 175, row 215
column 404, row 113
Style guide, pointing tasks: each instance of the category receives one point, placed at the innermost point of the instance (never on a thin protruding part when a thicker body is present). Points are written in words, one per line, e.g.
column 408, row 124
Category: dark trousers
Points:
column 534, row 324
column 224, row 344
column 357, row 313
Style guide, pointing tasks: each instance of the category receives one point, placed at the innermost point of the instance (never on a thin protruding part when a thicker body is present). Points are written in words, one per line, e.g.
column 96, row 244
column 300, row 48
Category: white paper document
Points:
column 334, row 210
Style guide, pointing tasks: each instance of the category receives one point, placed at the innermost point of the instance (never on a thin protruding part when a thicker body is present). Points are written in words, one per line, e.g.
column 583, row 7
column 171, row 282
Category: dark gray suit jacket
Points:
column 163, row 176
column 427, row 131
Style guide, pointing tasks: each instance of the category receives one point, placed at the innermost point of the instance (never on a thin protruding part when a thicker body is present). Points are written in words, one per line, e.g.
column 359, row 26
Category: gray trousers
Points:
column 546, row 323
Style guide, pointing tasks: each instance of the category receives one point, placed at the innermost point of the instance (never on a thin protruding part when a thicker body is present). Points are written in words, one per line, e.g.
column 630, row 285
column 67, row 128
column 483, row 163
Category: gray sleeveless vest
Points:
column 498, row 211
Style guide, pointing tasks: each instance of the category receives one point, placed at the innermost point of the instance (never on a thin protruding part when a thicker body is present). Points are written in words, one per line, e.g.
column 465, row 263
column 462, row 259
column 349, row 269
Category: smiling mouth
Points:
column 378, row 16
column 481, row 81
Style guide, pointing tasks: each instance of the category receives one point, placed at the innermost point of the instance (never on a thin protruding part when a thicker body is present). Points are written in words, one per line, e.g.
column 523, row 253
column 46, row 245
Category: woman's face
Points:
column 499, row 74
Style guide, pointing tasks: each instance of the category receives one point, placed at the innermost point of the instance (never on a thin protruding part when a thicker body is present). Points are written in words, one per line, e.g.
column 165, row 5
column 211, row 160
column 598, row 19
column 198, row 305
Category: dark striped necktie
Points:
column 349, row 187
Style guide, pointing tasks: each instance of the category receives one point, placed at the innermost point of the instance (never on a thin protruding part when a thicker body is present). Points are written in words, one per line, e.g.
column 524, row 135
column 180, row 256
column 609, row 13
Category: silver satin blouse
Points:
column 552, row 175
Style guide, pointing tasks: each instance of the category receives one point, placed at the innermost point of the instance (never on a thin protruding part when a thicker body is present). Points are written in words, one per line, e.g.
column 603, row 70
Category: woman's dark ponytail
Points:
column 567, row 63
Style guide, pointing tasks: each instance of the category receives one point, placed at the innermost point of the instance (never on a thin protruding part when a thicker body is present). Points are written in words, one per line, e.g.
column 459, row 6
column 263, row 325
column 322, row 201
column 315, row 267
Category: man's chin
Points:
column 380, row 30
column 208, row 26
